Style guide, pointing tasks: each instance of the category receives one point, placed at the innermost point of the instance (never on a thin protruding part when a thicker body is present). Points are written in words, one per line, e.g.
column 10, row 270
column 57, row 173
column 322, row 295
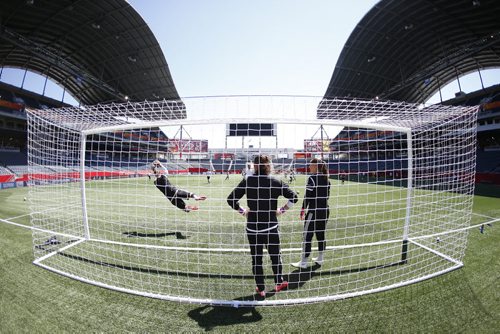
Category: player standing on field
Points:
column 174, row 195
column 262, row 192
column 316, row 217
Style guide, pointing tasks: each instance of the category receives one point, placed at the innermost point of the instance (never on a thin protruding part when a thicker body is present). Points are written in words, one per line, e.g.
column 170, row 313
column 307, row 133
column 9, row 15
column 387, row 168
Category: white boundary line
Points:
column 245, row 250
column 46, row 256
column 21, row 216
column 446, row 257
column 16, row 224
column 297, row 249
column 40, row 229
column 39, row 212
column 456, row 230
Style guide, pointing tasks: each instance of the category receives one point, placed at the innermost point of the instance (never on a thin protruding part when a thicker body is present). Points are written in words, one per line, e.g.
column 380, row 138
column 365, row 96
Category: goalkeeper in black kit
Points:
column 262, row 192
column 317, row 214
column 175, row 196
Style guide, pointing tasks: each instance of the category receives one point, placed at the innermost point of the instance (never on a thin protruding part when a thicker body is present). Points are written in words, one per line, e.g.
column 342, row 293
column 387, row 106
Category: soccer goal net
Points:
column 400, row 177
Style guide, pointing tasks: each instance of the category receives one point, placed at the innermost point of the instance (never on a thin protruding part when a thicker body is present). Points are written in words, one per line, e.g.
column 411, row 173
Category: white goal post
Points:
column 400, row 200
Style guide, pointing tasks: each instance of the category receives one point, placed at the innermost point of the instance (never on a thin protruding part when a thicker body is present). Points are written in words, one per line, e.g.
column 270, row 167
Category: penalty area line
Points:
column 41, row 229
column 16, row 224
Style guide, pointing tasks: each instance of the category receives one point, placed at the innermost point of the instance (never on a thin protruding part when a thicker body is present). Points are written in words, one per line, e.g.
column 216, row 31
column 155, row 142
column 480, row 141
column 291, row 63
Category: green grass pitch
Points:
column 36, row 300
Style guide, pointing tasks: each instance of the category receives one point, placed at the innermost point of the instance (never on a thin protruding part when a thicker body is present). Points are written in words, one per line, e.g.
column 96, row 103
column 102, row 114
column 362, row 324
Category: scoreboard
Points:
column 251, row 130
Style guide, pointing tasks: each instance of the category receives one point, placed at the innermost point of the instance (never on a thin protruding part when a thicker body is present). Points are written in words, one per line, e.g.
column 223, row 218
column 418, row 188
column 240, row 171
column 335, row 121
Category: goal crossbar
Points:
column 185, row 122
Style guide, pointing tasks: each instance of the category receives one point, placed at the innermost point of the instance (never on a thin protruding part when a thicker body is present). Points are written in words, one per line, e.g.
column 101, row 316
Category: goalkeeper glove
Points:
column 155, row 166
column 189, row 208
column 199, row 197
column 243, row 211
column 280, row 211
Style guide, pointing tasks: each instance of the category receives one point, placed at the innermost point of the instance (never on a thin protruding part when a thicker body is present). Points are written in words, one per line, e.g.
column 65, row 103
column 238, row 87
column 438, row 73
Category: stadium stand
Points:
column 13, row 158
column 488, row 162
column 4, row 171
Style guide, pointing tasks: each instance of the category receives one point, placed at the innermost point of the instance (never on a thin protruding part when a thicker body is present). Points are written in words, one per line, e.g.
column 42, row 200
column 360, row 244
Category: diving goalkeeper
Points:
column 174, row 195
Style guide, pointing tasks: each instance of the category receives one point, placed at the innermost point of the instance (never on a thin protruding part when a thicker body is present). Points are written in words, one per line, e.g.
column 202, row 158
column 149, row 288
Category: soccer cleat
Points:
column 300, row 264
column 261, row 293
column 318, row 260
column 282, row 286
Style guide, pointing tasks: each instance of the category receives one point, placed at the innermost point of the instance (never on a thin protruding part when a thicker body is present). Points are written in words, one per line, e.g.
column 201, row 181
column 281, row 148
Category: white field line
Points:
column 200, row 249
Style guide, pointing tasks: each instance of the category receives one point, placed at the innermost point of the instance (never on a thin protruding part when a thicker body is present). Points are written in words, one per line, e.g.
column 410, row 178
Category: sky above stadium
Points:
column 223, row 47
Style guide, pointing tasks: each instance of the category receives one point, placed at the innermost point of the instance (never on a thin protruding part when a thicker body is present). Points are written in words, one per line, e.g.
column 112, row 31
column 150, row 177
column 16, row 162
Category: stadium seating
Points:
column 20, row 170
column 5, row 171
column 13, row 158
column 488, row 161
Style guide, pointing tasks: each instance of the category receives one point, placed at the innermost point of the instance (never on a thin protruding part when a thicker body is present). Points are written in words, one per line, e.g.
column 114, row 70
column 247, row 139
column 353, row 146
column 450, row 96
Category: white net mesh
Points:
column 401, row 182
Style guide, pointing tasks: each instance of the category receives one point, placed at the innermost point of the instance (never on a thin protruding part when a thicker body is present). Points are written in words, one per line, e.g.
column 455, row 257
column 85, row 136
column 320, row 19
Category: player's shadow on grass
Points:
column 178, row 235
column 295, row 279
column 208, row 317
column 299, row 277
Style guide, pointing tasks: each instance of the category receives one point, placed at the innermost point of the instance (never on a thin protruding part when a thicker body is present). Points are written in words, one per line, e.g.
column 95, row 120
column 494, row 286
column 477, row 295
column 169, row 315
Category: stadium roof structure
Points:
column 407, row 50
column 100, row 51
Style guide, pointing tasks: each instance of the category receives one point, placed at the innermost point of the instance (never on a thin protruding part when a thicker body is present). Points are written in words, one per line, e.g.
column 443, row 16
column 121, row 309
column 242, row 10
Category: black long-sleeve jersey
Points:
column 173, row 194
column 317, row 192
column 262, row 193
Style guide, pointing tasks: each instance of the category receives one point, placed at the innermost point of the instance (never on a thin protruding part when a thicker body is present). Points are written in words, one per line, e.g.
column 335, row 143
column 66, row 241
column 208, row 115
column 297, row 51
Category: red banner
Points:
column 11, row 105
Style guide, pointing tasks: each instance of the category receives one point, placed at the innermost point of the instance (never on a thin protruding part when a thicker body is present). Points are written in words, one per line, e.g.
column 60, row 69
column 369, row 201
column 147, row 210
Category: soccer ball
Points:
column 24, row 199
column 438, row 239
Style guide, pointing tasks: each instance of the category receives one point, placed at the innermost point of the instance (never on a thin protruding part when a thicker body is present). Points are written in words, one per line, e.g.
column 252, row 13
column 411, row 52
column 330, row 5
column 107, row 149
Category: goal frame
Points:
column 405, row 240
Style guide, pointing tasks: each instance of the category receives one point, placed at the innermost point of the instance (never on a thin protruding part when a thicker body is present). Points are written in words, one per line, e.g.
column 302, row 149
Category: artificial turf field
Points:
column 35, row 300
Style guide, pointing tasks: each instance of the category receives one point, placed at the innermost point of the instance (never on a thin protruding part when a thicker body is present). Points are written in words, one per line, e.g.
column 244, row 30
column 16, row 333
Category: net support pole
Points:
column 83, row 143
column 409, row 192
